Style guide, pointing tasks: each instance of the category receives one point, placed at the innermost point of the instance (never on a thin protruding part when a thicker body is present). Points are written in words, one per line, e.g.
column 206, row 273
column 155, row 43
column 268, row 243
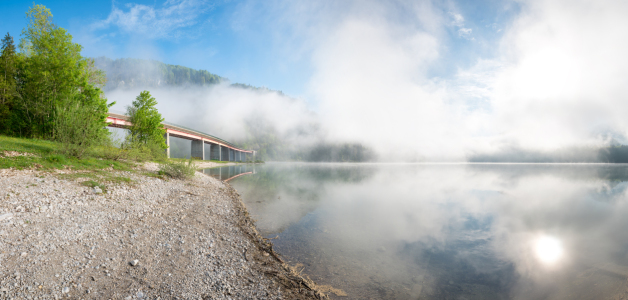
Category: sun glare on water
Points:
column 548, row 249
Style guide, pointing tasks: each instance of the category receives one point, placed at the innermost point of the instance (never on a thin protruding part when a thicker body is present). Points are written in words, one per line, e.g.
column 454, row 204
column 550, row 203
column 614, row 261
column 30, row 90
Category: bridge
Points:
column 204, row 146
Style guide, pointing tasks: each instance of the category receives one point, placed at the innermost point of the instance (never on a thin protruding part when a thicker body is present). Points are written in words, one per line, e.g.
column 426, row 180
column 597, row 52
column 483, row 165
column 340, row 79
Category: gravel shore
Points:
column 146, row 239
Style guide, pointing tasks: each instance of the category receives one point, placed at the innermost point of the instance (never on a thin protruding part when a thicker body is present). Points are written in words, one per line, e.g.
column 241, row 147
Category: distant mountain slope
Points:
column 132, row 72
column 262, row 134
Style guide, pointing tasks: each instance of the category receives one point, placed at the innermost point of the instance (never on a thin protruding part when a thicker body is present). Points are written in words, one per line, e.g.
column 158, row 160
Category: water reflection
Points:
column 449, row 231
column 228, row 173
column 548, row 249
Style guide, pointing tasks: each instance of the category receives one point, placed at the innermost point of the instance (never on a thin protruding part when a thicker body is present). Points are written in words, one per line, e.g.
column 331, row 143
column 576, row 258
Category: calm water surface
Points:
column 416, row 231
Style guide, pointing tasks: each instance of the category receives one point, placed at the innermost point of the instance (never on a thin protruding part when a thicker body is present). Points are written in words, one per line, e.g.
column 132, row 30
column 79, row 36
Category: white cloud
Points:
column 559, row 79
column 458, row 19
column 458, row 22
column 465, row 32
column 563, row 75
column 150, row 22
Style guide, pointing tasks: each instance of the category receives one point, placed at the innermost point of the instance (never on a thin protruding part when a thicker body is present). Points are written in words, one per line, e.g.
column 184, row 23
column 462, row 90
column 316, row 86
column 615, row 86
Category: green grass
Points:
column 91, row 170
column 39, row 147
column 45, row 156
column 178, row 169
column 92, row 184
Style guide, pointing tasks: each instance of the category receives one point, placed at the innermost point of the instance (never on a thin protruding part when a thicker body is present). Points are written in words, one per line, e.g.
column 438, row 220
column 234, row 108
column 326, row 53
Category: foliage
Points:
column 79, row 128
column 93, row 184
column 146, row 120
column 130, row 72
column 178, row 169
column 49, row 79
column 144, row 151
column 8, row 71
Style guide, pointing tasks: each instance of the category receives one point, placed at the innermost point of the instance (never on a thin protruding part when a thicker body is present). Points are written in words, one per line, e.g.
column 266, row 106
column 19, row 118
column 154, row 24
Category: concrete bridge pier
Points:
column 224, row 153
column 207, row 150
column 198, row 151
column 214, row 153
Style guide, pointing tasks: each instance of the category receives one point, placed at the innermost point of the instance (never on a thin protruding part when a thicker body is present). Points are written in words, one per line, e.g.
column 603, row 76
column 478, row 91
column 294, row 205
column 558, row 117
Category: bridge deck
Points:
column 122, row 121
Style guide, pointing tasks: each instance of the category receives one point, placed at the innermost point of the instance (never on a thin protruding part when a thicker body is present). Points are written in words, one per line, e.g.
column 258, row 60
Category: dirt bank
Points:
column 148, row 238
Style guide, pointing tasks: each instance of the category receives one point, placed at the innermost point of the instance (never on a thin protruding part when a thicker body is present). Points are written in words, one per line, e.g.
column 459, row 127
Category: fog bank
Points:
column 546, row 85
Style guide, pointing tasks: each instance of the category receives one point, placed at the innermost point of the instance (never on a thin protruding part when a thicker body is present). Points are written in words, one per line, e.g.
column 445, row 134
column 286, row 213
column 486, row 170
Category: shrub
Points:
column 178, row 169
column 78, row 128
column 139, row 151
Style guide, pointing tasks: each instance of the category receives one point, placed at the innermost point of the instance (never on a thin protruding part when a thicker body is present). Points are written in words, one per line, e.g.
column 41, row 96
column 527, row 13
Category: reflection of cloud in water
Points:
column 447, row 231
column 290, row 191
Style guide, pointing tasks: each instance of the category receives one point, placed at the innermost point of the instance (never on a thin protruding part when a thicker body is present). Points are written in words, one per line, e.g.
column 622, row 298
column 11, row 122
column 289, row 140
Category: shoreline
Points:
column 141, row 239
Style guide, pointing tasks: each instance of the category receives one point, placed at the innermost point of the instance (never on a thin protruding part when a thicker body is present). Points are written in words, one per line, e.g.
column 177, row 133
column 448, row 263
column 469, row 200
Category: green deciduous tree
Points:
column 53, row 76
column 146, row 120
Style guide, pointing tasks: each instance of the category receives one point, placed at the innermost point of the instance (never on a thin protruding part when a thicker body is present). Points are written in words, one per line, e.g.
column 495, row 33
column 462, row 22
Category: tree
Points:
column 146, row 121
column 54, row 75
column 8, row 84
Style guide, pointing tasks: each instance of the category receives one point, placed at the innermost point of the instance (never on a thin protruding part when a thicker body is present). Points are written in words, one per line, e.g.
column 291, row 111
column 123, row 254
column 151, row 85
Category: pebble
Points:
column 6, row 216
column 72, row 230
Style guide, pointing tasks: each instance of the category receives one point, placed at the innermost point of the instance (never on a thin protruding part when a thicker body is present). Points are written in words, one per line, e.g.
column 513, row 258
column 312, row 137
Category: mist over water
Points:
column 544, row 85
column 478, row 231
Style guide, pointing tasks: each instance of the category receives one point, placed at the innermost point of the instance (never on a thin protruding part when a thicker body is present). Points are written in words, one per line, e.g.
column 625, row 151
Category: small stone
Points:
column 266, row 254
column 97, row 190
column 134, row 262
column 65, row 290
column 23, row 254
column 6, row 216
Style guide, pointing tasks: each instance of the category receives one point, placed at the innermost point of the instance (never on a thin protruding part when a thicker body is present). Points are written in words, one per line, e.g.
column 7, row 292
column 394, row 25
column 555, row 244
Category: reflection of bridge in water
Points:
column 230, row 172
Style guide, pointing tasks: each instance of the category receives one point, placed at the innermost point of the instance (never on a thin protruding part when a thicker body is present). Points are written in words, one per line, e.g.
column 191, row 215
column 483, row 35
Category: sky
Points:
column 439, row 79
column 262, row 43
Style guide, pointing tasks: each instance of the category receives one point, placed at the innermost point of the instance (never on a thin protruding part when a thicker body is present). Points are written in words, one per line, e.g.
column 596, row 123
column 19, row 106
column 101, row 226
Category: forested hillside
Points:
column 133, row 72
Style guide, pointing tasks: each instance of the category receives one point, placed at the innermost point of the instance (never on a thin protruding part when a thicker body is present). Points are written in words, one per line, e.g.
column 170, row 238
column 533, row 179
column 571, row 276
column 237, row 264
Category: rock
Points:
column 23, row 254
column 6, row 216
column 65, row 290
column 134, row 262
column 97, row 190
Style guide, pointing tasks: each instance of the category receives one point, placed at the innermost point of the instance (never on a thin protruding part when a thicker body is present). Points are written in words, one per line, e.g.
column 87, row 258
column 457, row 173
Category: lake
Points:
column 446, row 231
